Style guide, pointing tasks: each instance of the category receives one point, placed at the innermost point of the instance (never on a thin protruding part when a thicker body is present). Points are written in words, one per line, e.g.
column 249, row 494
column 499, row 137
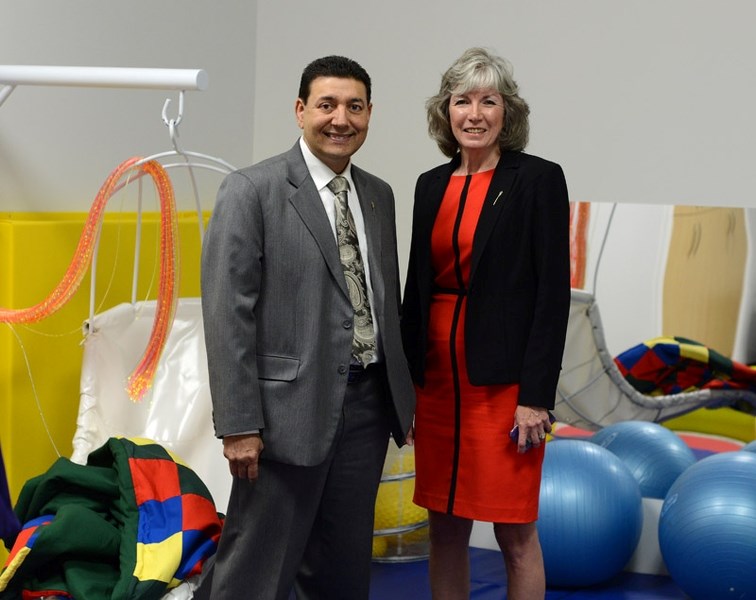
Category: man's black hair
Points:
column 332, row 66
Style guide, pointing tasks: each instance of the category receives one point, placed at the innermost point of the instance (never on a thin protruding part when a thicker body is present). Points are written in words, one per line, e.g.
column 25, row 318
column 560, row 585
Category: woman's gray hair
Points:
column 476, row 69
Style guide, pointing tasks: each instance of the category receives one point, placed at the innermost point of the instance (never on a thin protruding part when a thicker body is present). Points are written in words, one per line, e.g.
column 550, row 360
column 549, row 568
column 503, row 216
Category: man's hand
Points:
column 410, row 437
column 243, row 453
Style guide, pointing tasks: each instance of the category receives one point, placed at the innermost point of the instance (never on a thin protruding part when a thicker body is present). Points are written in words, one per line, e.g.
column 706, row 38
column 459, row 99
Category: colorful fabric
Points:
column 672, row 365
column 132, row 523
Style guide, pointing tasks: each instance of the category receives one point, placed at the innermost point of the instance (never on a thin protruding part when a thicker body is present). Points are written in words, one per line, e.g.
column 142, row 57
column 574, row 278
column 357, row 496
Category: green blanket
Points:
column 130, row 524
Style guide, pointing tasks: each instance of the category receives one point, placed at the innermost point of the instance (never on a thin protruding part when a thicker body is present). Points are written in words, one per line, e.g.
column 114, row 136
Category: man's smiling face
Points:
column 334, row 119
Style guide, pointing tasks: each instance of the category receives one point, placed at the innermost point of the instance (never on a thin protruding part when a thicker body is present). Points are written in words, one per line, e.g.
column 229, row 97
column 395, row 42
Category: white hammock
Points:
column 592, row 392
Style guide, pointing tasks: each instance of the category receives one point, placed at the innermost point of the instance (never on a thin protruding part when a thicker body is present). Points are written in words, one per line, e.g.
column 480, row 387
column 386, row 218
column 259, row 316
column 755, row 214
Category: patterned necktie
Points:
column 363, row 342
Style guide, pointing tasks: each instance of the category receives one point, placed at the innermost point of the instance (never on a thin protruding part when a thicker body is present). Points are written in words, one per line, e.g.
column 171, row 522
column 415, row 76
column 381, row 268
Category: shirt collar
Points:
column 320, row 173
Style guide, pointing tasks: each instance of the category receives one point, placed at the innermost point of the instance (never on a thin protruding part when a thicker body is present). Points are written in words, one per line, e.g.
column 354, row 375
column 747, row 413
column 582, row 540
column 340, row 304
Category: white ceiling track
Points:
column 108, row 77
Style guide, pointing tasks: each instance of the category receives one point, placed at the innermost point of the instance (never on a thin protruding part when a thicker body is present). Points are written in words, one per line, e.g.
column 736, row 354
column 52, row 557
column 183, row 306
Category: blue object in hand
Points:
column 514, row 435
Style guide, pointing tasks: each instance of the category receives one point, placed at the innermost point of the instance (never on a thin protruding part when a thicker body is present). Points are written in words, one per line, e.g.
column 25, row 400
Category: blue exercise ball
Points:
column 590, row 514
column 750, row 447
column 707, row 528
column 655, row 455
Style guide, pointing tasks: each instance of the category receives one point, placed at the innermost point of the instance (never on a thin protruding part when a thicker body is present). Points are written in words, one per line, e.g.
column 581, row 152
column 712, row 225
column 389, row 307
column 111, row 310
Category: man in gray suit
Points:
column 300, row 299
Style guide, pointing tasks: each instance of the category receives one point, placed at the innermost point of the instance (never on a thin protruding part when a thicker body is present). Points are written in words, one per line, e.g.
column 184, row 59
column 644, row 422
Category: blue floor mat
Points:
column 398, row 581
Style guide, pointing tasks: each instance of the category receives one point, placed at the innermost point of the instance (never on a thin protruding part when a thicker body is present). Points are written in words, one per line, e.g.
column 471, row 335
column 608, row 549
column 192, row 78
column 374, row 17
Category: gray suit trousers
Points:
column 309, row 529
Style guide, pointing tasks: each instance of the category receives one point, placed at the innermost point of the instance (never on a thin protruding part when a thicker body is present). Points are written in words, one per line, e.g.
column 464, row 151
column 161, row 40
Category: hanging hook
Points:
column 6, row 91
column 177, row 120
column 173, row 123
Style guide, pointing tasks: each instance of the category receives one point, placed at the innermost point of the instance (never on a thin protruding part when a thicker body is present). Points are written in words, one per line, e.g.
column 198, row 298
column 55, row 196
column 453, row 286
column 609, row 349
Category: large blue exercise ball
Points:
column 655, row 455
column 590, row 514
column 707, row 528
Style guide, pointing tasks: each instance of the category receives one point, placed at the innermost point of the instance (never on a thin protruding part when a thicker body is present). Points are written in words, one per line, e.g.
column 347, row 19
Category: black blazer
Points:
column 519, row 292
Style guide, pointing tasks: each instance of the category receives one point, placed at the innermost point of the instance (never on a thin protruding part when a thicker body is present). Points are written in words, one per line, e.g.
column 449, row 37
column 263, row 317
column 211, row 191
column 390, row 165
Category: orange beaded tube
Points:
column 141, row 378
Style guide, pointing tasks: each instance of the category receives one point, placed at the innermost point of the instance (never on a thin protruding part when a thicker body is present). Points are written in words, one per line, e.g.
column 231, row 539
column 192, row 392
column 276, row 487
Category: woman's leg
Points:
column 449, row 556
column 523, row 560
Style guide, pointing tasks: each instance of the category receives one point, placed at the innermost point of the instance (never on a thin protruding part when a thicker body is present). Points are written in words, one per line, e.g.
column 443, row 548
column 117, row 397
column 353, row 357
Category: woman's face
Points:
column 476, row 119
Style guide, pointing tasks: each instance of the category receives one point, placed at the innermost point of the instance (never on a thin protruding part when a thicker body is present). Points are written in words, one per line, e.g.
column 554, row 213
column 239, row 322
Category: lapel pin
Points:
column 497, row 198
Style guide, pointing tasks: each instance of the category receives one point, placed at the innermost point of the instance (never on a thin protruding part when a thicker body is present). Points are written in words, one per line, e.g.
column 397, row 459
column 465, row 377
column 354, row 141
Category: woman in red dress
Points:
column 484, row 321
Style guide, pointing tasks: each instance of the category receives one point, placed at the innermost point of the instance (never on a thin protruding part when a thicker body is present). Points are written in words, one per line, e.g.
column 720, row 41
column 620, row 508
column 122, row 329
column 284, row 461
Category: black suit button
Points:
column 347, row 324
column 343, row 369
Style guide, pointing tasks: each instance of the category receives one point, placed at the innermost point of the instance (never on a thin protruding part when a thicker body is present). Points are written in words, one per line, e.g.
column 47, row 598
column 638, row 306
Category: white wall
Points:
column 745, row 340
column 628, row 279
column 642, row 102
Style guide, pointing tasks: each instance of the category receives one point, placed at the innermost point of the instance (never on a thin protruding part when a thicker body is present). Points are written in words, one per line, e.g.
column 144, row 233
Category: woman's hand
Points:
column 532, row 423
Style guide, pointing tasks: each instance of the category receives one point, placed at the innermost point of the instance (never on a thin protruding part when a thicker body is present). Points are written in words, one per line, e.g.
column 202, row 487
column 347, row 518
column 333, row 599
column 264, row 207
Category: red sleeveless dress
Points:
column 465, row 462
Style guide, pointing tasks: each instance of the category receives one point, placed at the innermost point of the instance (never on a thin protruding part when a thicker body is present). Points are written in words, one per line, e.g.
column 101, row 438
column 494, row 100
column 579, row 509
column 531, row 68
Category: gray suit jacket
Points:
column 276, row 311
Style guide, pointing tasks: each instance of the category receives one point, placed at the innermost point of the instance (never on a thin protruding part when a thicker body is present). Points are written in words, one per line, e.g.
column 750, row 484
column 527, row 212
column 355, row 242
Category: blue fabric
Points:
column 9, row 524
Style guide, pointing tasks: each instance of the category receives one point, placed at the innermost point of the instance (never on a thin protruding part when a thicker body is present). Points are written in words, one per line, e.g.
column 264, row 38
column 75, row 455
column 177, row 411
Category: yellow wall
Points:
column 35, row 250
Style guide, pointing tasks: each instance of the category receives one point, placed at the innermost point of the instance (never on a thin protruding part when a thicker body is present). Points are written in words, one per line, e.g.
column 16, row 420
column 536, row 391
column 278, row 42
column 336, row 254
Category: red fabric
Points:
column 197, row 511
column 493, row 482
column 41, row 594
column 154, row 480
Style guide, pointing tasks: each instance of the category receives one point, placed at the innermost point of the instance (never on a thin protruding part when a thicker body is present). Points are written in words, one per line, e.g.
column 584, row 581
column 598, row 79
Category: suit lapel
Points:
column 430, row 200
column 306, row 201
column 495, row 204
